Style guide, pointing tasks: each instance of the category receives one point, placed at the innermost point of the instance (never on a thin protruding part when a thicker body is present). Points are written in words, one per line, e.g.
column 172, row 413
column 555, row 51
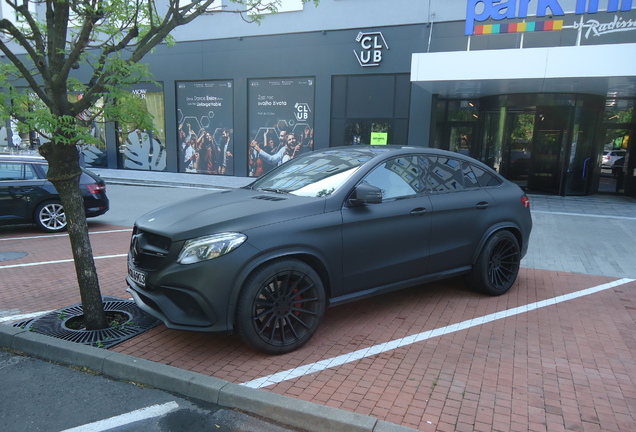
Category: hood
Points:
column 236, row 210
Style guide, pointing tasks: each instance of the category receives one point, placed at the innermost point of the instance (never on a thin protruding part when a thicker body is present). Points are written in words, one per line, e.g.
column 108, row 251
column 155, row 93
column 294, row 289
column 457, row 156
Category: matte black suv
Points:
column 323, row 229
column 26, row 196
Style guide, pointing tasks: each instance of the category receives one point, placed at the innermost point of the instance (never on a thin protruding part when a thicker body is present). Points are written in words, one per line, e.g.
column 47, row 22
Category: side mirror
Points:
column 366, row 194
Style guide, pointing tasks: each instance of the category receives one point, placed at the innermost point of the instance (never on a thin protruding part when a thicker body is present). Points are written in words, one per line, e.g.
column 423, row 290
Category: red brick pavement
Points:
column 568, row 366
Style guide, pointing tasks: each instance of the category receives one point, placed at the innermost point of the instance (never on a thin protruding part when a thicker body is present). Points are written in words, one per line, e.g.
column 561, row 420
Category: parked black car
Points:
column 26, row 196
column 326, row 228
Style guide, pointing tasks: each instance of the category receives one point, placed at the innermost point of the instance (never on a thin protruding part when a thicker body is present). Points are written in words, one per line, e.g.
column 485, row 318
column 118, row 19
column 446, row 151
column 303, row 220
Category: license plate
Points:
column 137, row 276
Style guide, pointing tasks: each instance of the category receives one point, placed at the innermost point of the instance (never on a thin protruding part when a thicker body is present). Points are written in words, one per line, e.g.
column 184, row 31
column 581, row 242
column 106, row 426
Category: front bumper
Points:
column 195, row 297
column 176, row 307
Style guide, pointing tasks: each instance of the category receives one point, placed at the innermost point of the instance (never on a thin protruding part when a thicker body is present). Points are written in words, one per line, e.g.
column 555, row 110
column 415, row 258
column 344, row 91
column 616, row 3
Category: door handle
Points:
column 482, row 205
column 418, row 211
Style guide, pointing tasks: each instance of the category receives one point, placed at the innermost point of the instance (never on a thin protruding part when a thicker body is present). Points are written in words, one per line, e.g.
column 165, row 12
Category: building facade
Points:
column 538, row 89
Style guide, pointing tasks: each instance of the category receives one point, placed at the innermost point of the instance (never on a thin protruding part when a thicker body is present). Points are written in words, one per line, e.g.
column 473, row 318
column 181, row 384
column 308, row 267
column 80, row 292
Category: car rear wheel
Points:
column 497, row 266
column 50, row 216
column 280, row 306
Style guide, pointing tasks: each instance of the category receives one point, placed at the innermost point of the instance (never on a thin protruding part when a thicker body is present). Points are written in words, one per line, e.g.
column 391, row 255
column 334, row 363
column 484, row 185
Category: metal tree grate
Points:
column 54, row 324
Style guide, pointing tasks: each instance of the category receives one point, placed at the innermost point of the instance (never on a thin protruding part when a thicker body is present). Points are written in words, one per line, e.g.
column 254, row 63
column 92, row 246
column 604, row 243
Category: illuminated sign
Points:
column 478, row 11
column 371, row 45
column 379, row 138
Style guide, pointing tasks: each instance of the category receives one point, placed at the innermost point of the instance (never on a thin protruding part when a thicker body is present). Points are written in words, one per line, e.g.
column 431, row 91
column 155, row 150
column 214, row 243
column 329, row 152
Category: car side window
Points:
column 16, row 171
column 446, row 174
column 397, row 178
column 470, row 179
column 485, row 178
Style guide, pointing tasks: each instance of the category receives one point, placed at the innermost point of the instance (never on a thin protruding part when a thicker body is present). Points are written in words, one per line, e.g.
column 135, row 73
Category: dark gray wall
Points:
column 322, row 55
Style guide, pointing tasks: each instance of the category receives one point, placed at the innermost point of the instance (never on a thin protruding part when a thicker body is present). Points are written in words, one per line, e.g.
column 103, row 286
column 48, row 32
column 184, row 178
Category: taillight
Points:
column 96, row 188
column 525, row 201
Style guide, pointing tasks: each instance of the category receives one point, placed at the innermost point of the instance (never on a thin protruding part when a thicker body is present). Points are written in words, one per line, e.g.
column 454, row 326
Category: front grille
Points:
column 148, row 250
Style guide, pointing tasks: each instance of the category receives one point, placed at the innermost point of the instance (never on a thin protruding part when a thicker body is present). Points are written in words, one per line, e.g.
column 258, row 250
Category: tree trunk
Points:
column 64, row 173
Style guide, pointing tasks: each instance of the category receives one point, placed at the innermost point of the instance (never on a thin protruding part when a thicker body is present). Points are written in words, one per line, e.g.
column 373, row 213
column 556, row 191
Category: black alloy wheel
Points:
column 281, row 306
column 497, row 267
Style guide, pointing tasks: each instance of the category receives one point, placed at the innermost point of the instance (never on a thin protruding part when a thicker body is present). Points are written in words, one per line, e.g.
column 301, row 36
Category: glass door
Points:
column 462, row 139
column 518, row 147
column 549, row 143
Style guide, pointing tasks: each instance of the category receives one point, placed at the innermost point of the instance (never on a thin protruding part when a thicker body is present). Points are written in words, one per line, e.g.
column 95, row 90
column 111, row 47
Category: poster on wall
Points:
column 205, row 124
column 281, row 121
column 140, row 148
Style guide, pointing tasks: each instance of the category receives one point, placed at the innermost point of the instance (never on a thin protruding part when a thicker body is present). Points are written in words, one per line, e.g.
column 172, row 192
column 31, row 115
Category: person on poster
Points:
column 204, row 146
column 256, row 164
column 307, row 142
column 288, row 152
column 226, row 152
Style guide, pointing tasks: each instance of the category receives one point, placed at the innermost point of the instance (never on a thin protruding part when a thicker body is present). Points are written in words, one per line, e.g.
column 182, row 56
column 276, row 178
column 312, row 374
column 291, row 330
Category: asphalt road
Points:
column 128, row 202
column 36, row 395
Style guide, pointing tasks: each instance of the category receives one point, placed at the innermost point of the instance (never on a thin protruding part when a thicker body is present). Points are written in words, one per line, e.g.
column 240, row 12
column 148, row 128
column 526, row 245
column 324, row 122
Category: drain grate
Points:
column 54, row 324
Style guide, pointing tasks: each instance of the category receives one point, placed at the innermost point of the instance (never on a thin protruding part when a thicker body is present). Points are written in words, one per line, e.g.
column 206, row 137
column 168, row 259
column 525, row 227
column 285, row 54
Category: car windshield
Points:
column 314, row 174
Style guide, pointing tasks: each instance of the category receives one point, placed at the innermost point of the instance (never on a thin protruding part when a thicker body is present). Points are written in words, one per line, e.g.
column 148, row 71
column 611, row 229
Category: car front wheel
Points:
column 497, row 266
column 50, row 216
column 280, row 306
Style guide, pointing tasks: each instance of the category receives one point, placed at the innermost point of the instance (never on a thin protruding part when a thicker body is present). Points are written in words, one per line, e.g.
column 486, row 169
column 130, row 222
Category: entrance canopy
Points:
column 607, row 70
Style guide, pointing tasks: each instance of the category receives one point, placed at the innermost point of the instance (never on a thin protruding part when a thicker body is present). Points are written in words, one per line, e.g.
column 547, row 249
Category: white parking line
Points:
column 584, row 215
column 58, row 261
column 420, row 337
column 128, row 418
column 22, row 317
column 63, row 235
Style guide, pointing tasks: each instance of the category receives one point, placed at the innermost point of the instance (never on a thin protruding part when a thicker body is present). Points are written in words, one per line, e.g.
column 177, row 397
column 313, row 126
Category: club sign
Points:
column 372, row 45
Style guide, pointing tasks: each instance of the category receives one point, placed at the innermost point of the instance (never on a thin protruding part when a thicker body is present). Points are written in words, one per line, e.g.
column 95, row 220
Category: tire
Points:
column 280, row 306
column 497, row 266
column 50, row 216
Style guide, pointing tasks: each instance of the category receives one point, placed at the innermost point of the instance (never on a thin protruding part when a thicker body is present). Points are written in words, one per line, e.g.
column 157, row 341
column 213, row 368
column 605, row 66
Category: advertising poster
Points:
column 205, row 115
column 281, row 121
column 141, row 149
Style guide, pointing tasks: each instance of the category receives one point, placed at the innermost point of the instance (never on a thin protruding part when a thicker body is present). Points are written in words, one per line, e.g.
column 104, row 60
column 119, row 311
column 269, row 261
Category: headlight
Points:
column 209, row 247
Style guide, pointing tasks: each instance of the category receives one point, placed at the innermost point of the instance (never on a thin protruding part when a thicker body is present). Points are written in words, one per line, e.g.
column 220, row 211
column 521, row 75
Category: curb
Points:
column 283, row 409
column 162, row 183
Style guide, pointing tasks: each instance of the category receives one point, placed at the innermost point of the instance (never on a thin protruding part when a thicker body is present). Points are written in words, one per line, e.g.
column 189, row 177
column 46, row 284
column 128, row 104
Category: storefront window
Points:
column 368, row 131
column 619, row 111
column 463, row 110
column 142, row 149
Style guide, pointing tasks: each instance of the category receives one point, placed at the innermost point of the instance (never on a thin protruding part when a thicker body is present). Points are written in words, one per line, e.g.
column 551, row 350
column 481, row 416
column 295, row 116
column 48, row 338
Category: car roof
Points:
column 378, row 150
column 383, row 149
column 23, row 158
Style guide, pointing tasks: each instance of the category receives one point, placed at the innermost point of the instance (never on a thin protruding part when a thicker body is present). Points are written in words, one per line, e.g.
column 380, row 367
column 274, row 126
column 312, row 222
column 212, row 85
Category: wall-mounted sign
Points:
column 371, row 46
column 478, row 11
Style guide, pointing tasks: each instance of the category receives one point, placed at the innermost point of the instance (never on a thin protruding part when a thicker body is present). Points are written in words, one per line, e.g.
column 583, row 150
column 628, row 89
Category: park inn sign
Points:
column 478, row 11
